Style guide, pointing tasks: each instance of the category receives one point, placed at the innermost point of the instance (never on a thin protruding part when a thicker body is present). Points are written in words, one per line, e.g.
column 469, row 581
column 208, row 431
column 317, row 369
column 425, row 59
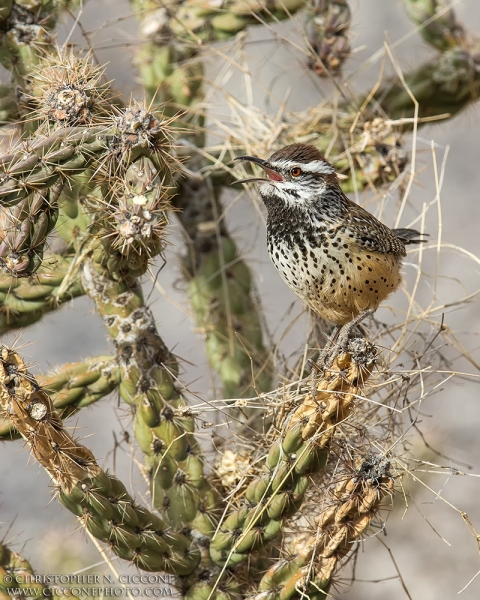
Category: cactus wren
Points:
column 333, row 254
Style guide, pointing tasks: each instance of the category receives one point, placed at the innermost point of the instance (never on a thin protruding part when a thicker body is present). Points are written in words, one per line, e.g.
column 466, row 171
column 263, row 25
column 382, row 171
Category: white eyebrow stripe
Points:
column 319, row 166
column 316, row 166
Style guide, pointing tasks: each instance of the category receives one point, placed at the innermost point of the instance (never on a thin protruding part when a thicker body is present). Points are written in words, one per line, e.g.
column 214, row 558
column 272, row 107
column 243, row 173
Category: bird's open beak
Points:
column 272, row 174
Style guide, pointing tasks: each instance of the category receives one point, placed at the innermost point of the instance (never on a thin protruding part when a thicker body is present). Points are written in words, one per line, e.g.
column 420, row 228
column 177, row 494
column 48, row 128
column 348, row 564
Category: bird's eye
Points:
column 296, row 172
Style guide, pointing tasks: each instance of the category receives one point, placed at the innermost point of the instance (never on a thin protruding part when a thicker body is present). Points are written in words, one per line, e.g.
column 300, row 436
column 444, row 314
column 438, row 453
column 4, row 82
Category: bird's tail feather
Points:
column 409, row 236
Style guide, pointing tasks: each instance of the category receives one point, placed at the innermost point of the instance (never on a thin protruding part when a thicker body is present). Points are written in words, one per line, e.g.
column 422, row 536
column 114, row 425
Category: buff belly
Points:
column 340, row 284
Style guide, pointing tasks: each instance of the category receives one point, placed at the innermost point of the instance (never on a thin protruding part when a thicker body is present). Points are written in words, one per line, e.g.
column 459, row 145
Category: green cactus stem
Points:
column 25, row 230
column 5, row 11
column 131, row 223
column 164, row 425
column 24, row 301
column 40, row 162
column 437, row 23
column 221, row 293
column 8, row 104
column 76, row 209
column 72, row 387
column 220, row 284
column 206, row 21
column 300, row 450
column 344, row 521
column 100, row 501
column 447, row 83
column 172, row 76
column 443, row 86
column 16, row 573
column 170, row 59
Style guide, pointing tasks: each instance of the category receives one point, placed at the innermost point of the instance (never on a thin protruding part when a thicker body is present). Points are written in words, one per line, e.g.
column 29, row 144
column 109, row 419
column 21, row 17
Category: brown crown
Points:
column 301, row 153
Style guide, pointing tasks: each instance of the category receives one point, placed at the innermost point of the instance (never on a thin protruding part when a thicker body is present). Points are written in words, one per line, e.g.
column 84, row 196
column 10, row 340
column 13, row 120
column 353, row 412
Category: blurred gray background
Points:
column 433, row 549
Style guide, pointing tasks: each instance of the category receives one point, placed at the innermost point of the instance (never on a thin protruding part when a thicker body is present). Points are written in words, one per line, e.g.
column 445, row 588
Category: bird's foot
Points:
column 337, row 343
column 319, row 366
column 347, row 330
column 316, row 370
column 334, row 346
column 324, row 362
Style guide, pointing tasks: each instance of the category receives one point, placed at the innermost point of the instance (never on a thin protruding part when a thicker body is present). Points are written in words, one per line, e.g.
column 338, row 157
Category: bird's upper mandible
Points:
column 290, row 163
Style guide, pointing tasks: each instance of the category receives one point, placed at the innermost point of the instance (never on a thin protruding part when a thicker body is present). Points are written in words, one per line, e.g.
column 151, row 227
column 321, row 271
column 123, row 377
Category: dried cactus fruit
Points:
column 72, row 387
column 327, row 28
column 68, row 90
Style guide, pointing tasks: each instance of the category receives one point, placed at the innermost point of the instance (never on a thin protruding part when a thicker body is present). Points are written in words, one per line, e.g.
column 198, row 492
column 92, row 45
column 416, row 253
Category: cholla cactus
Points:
column 302, row 465
column 327, row 32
